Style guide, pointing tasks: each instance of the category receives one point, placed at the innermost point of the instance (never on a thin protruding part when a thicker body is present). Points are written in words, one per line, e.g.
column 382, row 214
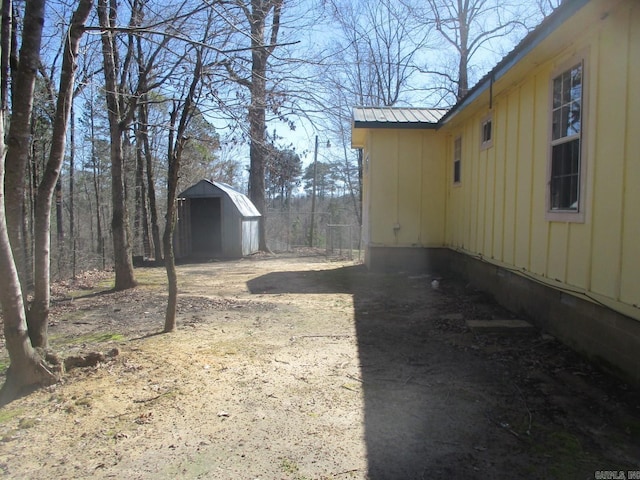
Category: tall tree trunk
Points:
column 261, row 49
column 256, row 167
column 72, row 167
column 96, row 185
column 121, row 247
column 5, row 50
column 59, row 216
column 146, row 233
column 174, row 157
column 38, row 317
column 167, row 238
column 123, row 265
column 151, row 189
column 27, row 367
column 257, row 116
column 463, row 65
column 19, row 138
column 138, row 238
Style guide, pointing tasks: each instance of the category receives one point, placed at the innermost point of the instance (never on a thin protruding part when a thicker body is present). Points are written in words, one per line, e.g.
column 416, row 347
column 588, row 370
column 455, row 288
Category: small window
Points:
column 565, row 162
column 486, row 132
column 457, row 159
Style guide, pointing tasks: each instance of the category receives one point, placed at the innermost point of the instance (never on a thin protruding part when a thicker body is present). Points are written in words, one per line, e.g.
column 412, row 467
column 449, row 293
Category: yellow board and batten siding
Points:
column 498, row 209
column 630, row 264
column 406, row 172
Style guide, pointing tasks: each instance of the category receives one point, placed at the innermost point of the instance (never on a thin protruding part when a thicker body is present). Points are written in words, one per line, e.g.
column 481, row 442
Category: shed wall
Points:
column 250, row 236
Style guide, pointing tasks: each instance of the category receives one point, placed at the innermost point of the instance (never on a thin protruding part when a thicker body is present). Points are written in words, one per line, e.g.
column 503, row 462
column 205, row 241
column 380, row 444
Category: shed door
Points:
column 206, row 226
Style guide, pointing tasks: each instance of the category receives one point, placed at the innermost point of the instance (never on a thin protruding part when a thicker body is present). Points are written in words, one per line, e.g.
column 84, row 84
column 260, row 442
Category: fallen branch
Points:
column 324, row 336
column 346, row 472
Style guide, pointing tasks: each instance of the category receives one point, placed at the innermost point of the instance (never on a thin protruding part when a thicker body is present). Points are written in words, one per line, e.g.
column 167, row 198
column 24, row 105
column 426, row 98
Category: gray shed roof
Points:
column 393, row 117
column 207, row 189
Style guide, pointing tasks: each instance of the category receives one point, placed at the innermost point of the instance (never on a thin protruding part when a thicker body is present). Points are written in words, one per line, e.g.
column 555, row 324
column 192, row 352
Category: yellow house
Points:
column 530, row 185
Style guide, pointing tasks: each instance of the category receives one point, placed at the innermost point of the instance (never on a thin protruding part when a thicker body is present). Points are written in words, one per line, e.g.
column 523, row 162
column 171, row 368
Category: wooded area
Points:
column 110, row 109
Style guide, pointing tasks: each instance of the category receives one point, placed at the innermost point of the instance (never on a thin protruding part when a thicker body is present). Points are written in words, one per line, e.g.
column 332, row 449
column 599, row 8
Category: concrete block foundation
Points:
column 608, row 338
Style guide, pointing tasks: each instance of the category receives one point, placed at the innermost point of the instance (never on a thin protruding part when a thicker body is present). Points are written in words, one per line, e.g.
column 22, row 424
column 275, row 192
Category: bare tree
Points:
column 376, row 50
column 203, row 55
column 263, row 19
column 123, row 100
column 546, row 7
column 374, row 61
column 39, row 310
column 19, row 134
column 27, row 366
column 120, row 110
column 180, row 117
column 469, row 27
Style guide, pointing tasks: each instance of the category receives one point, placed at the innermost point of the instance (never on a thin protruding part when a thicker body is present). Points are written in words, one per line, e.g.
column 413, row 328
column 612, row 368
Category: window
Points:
column 457, row 159
column 486, row 132
column 566, row 164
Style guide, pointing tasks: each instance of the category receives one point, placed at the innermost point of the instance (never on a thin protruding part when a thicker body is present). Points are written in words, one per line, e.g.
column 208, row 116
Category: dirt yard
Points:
column 299, row 368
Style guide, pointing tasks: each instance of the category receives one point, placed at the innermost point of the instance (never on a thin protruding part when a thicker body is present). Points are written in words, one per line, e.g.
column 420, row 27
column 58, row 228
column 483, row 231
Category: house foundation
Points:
column 606, row 337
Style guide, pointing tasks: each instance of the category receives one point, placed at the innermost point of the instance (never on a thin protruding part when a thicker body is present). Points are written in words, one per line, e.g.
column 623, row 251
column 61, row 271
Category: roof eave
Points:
column 391, row 125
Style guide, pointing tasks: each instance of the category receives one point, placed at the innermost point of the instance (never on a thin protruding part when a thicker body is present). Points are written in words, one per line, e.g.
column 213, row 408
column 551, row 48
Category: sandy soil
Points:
column 299, row 368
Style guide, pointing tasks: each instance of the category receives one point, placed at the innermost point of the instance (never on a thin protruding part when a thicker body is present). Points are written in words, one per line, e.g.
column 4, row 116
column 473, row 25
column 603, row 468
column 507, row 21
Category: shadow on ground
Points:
column 440, row 402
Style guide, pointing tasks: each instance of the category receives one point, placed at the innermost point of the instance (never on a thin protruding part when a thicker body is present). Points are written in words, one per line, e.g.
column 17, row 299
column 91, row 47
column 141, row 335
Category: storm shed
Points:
column 215, row 220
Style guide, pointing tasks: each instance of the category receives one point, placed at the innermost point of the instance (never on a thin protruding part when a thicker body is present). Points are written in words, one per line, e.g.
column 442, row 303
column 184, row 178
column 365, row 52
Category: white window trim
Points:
column 488, row 118
column 579, row 215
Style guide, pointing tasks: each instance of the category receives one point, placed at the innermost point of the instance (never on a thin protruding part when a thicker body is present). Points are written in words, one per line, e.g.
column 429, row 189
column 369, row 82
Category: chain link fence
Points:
column 291, row 231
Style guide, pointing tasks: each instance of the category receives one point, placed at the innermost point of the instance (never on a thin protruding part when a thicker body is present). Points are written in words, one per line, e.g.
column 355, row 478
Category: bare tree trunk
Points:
column 59, row 216
column 123, row 265
column 27, row 368
column 257, row 121
column 38, row 317
column 19, row 139
column 72, row 166
column 174, row 156
column 140, row 226
column 153, row 209
column 151, row 189
column 463, row 61
column 5, row 50
column 261, row 49
column 96, row 185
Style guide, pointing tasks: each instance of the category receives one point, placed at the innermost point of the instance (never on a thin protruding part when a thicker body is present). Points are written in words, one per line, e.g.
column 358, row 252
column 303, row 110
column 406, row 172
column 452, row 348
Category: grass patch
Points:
column 4, row 364
column 96, row 337
column 566, row 455
column 84, row 402
column 8, row 414
column 289, row 466
column 100, row 286
column 25, row 423
column 151, row 277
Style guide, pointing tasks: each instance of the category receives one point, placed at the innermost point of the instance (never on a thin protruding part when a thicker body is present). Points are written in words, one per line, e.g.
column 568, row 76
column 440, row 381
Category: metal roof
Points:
column 208, row 189
column 393, row 117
